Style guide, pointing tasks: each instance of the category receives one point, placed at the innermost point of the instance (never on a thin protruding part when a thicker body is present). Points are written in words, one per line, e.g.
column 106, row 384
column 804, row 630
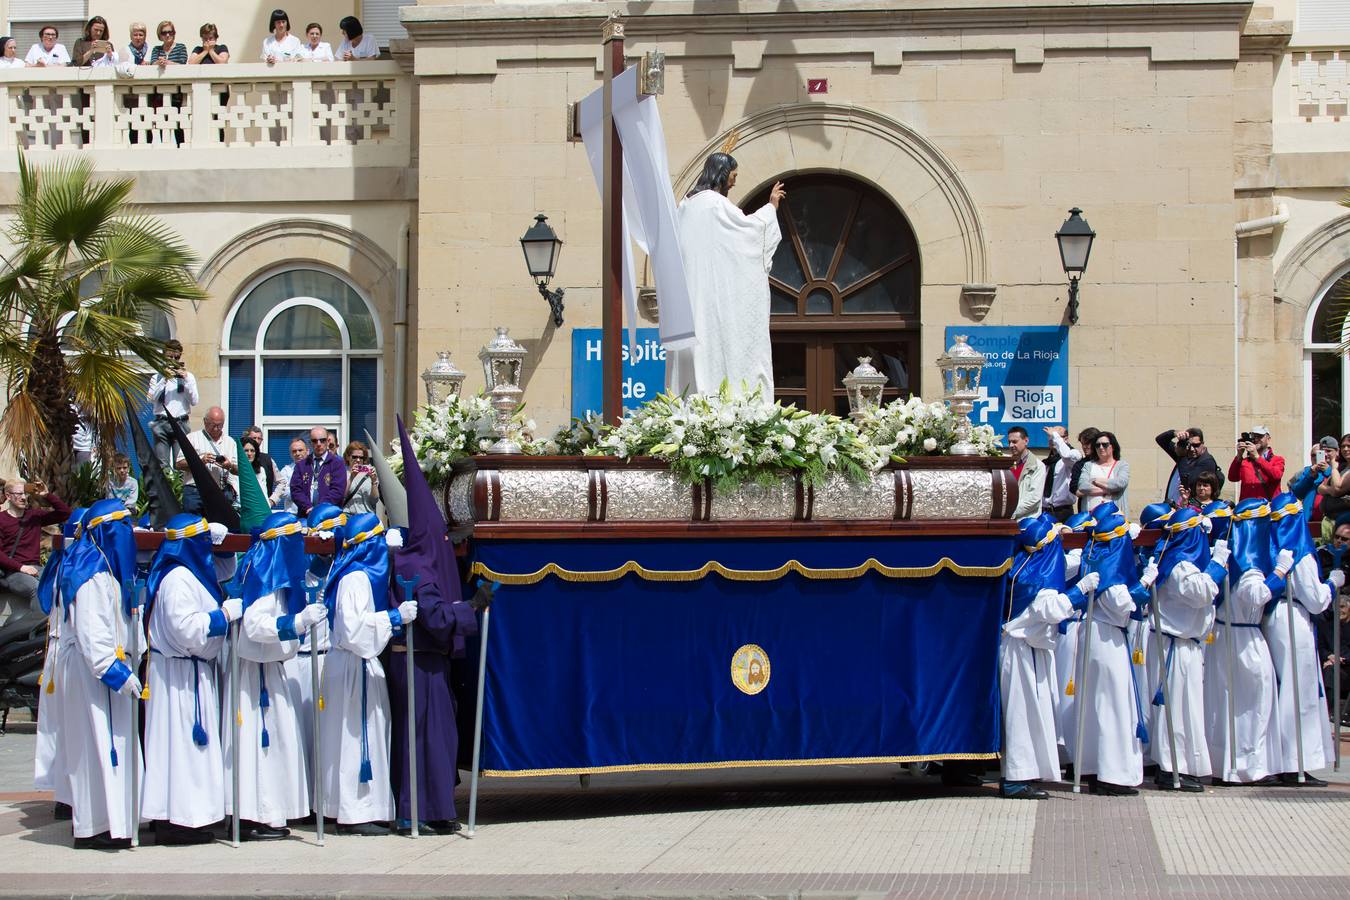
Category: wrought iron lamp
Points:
column 1075, row 239
column 864, row 386
column 542, row 248
column 961, row 366
column 443, row 379
column 503, row 360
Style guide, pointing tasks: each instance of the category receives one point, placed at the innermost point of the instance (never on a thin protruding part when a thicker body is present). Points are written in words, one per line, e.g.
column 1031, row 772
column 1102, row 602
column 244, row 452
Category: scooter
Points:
column 23, row 646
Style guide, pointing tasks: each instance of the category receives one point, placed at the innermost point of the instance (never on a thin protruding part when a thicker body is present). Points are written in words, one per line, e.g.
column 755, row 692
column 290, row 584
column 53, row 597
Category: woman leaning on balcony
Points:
column 211, row 51
column 169, row 52
column 280, row 45
column 94, row 47
column 9, row 58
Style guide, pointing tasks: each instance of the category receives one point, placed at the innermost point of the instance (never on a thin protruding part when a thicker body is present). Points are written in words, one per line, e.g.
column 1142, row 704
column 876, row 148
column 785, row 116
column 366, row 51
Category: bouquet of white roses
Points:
column 442, row 435
column 914, row 428
column 737, row 438
column 577, row 438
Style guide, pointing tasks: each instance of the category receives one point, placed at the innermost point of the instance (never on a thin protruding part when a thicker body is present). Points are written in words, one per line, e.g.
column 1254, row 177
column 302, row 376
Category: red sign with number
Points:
column 817, row 85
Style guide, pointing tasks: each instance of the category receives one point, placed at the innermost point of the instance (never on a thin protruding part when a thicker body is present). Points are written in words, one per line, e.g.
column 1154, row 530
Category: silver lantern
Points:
column 864, row 385
column 503, row 360
column 443, row 380
column 961, row 366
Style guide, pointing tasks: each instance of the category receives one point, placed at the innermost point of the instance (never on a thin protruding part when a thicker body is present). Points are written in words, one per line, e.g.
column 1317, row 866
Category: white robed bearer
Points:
column 727, row 258
column 1038, row 601
column 273, row 787
column 184, row 789
column 1305, row 726
column 99, row 652
column 1244, row 745
column 1187, row 576
column 354, row 726
column 1066, row 644
column 48, row 762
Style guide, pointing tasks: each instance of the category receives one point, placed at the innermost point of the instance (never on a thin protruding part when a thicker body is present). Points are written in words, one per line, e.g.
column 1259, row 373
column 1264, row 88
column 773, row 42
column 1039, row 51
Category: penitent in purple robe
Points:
column 444, row 621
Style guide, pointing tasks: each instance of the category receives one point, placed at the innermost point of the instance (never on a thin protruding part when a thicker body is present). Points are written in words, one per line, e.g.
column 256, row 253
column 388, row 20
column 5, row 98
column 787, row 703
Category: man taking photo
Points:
column 1256, row 468
column 21, row 538
column 1187, row 449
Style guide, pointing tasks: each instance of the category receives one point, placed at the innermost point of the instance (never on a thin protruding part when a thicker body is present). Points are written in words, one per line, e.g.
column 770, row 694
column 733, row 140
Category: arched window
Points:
column 1324, row 366
column 301, row 349
column 844, row 284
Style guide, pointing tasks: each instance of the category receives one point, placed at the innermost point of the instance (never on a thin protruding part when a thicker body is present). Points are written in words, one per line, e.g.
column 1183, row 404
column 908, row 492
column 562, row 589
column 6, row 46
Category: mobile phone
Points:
column 1321, row 455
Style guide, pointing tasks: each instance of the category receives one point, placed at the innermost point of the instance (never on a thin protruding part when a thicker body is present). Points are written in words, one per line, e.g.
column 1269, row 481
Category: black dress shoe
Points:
column 104, row 841
column 961, row 780
column 257, row 831
column 168, row 834
column 1291, row 779
column 1022, row 790
column 1107, row 789
column 364, row 829
column 307, row 820
column 61, row 812
column 444, row 826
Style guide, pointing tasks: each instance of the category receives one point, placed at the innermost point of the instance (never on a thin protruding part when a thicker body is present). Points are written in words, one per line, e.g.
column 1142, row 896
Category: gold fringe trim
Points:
column 633, row 568
column 732, row 764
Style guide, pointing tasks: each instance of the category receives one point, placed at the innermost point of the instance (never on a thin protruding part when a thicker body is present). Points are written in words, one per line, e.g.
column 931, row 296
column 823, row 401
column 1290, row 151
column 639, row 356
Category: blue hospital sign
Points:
column 1026, row 381
column 644, row 370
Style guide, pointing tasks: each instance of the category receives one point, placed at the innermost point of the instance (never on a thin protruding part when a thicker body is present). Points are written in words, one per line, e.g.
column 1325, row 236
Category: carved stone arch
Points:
column 1305, row 272
column 864, row 144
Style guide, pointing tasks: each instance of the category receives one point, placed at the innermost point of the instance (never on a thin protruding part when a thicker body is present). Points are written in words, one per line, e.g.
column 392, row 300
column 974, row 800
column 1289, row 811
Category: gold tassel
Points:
column 321, row 703
column 121, row 654
column 239, row 719
column 1137, row 657
column 1068, row 688
column 40, row 678
column 145, row 692
column 1209, row 638
column 51, row 686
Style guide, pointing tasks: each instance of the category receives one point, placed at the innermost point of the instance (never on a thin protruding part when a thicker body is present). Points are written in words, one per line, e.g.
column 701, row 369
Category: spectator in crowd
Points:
column 220, row 457
column 1335, row 488
column 316, row 49
column 211, row 51
column 1203, row 491
column 122, row 486
column 172, row 396
column 1304, row 484
column 9, row 54
column 280, row 45
column 82, row 442
column 21, row 536
column 94, row 48
column 1187, row 449
column 138, row 50
column 363, row 489
column 1335, row 657
column 1059, row 463
column 356, row 44
column 262, row 472
column 319, row 478
column 1336, row 553
column 1256, row 468
column 270, row 465
column 47, row 52
column 169, row 52
column 281, row 496
column 1086, row 437
column 1106, row 476
column 1028, row 471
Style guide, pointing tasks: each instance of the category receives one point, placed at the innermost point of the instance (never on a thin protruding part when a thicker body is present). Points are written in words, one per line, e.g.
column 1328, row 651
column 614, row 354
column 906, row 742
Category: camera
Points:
column 1248, row 437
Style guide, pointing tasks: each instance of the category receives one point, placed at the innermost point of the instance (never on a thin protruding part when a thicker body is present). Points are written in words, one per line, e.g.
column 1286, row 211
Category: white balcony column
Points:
column 7, row 136
column 302, row 114
column 104, row 130
column 203, row 132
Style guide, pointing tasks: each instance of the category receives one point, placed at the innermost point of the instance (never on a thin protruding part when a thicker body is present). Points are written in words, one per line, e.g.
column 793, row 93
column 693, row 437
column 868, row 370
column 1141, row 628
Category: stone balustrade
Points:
column 250, row 115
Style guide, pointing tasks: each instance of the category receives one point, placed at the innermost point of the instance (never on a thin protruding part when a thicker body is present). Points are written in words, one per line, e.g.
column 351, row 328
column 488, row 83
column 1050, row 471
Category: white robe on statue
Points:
column 272, row 783
column 727, row 257
column 1186, row 607
column 1028, row 685
column 1310, row 596
column 95, row 720
column 1253, row 690
column 1111, row 749
column 185, row 781
column 356, row 704
column 48, row 773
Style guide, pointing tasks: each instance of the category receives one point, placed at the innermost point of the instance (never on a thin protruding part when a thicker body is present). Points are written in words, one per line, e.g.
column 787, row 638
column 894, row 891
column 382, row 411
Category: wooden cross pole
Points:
column 611, row 279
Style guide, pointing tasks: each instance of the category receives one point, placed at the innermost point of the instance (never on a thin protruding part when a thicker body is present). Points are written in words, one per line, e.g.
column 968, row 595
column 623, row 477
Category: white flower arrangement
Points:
column 577, row 438
column 463, row 426
column 736, row 438
column 912, row 427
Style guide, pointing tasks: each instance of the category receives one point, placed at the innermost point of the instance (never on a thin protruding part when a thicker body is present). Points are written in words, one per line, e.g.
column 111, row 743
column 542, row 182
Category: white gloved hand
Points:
column 1337, row 580
column 1284, row 561
column 1150, row 573
column 1220, row 553
column 1135, row 528
column 322, row 535
column 1207, row 524
column 1074, row 556
column 407, row 611
column 310, row 616
column 131, row 687
column 218, row 532
column 1088, row 583
column 233, row 609
column 393, row 538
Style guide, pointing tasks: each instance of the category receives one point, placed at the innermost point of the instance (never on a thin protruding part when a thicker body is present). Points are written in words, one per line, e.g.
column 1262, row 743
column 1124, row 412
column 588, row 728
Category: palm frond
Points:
column 22, row 426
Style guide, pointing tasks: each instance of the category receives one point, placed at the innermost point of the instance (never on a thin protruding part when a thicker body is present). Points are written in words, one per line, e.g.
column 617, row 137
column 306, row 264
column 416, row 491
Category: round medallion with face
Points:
column 750, row 669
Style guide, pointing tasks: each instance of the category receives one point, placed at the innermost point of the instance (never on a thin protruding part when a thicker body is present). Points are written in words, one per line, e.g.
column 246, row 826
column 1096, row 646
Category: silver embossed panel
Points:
column 461, row 500
column 947, row 494
column 753, row 501
column 839, row 498
column 535, row 495
column 645, row 495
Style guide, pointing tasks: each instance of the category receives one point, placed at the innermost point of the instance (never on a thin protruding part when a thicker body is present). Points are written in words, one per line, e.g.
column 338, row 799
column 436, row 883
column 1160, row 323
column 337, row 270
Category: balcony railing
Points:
column 1314, row 114
column 236, row 116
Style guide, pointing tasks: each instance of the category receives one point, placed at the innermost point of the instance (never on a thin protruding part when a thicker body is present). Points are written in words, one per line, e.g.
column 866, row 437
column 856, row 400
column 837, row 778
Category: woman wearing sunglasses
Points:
column 1106, row 476
column 363, row 489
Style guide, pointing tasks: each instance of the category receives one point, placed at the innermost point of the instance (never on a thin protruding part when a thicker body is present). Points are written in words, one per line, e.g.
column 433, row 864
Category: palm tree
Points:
column 85, row 270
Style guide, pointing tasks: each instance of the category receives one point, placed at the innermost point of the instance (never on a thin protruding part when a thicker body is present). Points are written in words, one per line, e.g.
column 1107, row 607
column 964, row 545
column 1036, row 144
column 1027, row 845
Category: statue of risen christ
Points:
column 727, row 257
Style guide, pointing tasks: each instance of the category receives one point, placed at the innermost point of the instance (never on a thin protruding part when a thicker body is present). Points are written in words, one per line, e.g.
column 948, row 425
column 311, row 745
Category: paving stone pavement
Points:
column 846, row 831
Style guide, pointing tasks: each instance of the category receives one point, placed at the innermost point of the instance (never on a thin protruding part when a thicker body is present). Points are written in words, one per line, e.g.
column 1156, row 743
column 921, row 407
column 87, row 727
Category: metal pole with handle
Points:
column 1082, row 692
column 314, row 591
column 1230, row 643
column 478, row 723
column 1164, row 681
column 237, row 717
column 1293, row 670
column 408, row 585
column 135, row 590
